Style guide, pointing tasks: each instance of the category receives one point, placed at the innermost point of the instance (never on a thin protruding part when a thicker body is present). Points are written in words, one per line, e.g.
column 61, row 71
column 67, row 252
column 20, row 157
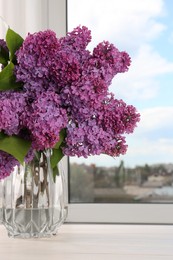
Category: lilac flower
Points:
column 7, row 164
column 72, row 56
column 35, row 59
column 12, row 106
column 66, row 86
column 84, row 140
column 44, row 62
column 45, row 119
column 65, row 69
column 78, row 39
column 109, row 61
column 99, row 128
column 116, row 116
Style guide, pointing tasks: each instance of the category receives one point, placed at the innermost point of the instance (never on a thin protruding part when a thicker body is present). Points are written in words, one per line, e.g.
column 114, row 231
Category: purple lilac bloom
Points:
column 97, row 72
column 44, row 62
column 66, row 69
column 35, row 59
column 12, row 107
column 109, row 61
column 100, row 129
column 7, row 164
column 45, row 119
column 66, row 86
column 116, row 117
column 78, row 39
column 85, row 140
column 72, row 56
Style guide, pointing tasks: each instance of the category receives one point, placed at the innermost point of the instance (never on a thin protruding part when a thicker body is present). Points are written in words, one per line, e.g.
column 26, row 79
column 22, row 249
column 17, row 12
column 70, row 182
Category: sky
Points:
column 144, row 29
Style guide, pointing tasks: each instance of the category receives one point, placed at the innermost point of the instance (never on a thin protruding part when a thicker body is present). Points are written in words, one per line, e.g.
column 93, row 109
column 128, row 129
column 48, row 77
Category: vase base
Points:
column 33, row 223
column 31, row 236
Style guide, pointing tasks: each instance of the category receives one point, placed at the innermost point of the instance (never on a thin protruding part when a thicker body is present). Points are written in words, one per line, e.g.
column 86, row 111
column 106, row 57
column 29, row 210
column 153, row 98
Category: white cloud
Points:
column 150, row 151
column 141, row 81
column 127, row 23
column 131, row 26
column 152, row 141
column 171, row 38
column 150, row 63
column 155, row 119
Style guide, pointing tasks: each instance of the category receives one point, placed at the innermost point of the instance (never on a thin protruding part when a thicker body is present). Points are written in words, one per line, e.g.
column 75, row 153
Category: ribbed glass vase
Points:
column 34, row 204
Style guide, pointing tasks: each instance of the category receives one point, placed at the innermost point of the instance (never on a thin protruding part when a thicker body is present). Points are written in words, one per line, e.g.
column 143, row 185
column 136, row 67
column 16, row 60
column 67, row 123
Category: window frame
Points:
column 124, row 213
column 55, row 17
column 120, row 213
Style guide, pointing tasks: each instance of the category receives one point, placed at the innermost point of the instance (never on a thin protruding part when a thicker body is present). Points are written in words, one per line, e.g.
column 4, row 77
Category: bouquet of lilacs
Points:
column 54, row 95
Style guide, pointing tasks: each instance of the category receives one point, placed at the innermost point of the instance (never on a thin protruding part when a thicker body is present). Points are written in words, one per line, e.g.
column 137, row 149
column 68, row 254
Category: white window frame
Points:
column 120, row 213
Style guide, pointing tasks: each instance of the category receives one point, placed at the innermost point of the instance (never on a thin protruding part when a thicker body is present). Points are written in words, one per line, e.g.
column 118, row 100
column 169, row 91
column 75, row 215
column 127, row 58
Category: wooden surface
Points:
column 92, row 242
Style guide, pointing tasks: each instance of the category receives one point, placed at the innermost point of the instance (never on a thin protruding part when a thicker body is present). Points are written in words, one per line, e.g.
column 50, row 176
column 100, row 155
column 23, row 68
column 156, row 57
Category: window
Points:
column 137, row 187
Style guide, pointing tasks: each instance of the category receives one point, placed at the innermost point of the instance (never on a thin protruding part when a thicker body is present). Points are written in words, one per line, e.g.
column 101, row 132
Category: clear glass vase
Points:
column 33, row 203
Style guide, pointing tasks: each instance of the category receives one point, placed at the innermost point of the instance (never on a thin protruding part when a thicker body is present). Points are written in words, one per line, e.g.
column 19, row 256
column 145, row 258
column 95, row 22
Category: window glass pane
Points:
column 144, row 29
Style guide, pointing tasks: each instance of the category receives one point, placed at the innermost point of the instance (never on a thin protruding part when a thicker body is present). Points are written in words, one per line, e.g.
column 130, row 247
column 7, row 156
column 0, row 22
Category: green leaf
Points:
column 15, row 146
column 7, row 78
column 14, row 42
column 2, row 135
column 3, row 61
column 55, row 172
column 62, row 136
column 56, row 156
column 4, row 57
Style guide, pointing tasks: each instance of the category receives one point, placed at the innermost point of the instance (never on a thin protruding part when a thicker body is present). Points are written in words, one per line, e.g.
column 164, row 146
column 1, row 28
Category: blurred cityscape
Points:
column 142, row 184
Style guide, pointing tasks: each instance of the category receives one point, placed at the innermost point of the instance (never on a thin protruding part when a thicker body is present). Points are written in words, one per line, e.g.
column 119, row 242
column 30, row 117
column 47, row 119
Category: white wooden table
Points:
column 92, row 242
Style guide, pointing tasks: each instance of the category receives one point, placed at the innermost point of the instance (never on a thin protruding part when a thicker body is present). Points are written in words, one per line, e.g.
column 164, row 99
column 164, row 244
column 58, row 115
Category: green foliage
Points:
column 15, row 146
column 62, row 136
column 14, row 42
column 57, row 154
column 7, row 78
column 2, row 135
column 55, row 158
column 55, row 172
column 4, row 56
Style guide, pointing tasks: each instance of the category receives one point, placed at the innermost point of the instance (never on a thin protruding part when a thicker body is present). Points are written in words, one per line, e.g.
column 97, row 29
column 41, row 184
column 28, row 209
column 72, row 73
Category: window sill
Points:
column 93, row 241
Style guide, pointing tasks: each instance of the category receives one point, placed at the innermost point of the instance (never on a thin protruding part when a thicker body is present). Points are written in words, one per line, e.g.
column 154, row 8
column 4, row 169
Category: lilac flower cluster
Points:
column 67, row 87
column 100, row 129
column 12, row 107
column 45, row 118
column 7, row 163
column 35, row 60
